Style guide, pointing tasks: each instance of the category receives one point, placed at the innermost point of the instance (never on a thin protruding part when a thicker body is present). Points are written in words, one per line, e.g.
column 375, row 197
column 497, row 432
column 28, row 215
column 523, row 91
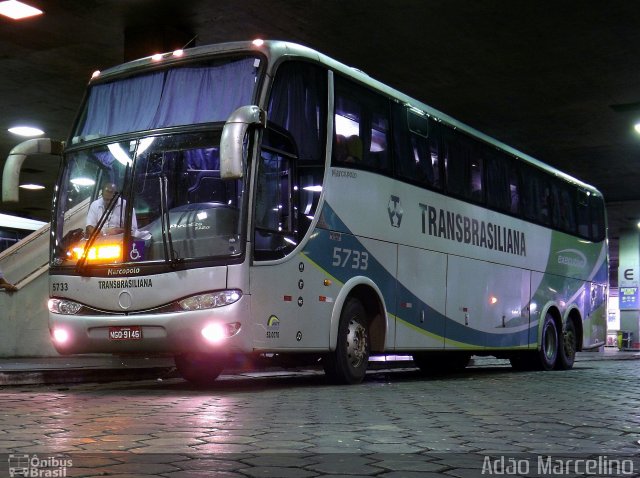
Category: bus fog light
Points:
column 217, row 332
column 214, row 333
column 60, row 336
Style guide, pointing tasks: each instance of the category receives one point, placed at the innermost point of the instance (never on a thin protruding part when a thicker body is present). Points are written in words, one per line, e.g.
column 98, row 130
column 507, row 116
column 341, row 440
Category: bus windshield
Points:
column 157, row 198
column 141, row 181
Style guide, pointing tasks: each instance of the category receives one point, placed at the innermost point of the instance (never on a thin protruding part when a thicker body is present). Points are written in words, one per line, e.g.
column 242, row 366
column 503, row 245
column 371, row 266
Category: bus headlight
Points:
column 210, row 300
column 63, row 306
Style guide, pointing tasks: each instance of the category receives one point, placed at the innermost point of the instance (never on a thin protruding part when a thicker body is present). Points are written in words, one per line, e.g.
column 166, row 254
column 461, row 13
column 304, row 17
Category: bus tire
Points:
column 547, row 356
column 348, row 363
column 567, row 347
column 199, row 369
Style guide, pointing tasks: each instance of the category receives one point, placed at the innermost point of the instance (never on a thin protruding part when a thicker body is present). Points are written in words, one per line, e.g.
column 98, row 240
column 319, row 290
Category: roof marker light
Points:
column 95, row 74
column 258, row 42
column 178, row 53
column 156, row 57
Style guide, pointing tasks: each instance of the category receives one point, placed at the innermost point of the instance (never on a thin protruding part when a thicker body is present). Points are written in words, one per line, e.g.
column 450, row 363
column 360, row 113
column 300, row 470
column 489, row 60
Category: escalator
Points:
column 24, row 330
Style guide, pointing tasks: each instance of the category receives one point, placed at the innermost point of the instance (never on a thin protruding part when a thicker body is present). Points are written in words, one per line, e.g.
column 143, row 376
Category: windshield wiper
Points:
column 169, row 250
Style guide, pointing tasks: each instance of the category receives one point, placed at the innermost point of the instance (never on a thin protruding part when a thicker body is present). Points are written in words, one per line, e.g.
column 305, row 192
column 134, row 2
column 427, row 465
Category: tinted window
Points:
column 361, row 127
column 503, row 185
column 417, row 145
column 463, row 164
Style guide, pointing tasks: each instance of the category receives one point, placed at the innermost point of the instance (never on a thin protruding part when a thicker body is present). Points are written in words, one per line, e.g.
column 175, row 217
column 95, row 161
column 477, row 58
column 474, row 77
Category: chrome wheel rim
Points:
column 356, row 343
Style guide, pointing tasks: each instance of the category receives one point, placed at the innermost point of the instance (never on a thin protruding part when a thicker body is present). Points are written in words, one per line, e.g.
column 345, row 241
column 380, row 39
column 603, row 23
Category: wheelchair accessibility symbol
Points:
column 137, row 250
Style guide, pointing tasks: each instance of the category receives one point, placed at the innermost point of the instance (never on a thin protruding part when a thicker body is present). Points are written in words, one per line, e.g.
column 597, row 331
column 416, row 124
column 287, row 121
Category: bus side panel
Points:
column 339, row 257
column 420, row 317
column 487, row 305
column 286, row 306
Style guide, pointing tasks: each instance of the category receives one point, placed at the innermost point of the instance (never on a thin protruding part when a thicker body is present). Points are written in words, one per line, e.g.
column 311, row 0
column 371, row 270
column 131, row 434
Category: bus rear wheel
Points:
column 547, row 356
column 567, row 348
column 200, row 369
column 348, row 363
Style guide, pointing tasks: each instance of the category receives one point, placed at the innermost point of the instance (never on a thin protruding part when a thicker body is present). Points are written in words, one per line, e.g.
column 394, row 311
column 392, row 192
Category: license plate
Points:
column 125, row 333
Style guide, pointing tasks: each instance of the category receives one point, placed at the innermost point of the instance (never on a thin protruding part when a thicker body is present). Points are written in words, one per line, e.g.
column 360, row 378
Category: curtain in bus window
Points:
column 457, row 170
column 175, row 97
column 297, row 104
column 597, row 218
column 207, row 94
column 498, row 184
column 537, row 199
column 126, row 105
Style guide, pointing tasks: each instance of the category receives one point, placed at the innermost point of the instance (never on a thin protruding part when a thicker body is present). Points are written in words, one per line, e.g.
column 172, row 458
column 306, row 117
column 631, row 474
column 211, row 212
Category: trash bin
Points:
column 625, row 339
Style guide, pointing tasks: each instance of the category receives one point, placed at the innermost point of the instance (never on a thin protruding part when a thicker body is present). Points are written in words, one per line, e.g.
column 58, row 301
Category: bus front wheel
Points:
column 348, row 363
column 199, row 369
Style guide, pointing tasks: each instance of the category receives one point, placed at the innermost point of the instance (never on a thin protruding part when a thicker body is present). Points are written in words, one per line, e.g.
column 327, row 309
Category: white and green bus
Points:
column 273, row 201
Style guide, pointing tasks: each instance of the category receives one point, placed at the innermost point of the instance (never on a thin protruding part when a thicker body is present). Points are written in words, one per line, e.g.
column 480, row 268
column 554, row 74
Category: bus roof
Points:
column 275, row 49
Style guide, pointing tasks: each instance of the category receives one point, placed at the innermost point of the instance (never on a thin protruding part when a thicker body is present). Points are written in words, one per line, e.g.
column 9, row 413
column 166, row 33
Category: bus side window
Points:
column 297, row 125
column 537, row 199
column 503, row 189
column 464, row 167
column 597, row 218
column 361, row 127
column 417, row 147
column 563, row 213
column 583, row 218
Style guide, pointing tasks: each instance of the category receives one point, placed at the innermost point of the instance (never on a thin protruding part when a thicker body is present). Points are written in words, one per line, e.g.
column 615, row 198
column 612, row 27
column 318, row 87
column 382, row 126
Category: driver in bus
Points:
column 115, row 221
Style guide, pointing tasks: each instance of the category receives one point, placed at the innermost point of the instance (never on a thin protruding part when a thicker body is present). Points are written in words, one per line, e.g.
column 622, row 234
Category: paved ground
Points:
column 272, row 424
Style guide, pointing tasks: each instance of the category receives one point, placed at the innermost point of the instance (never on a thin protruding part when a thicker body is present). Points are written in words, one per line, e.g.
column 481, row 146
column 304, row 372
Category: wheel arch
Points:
column 368, row 293
column 573, row 314
column 553, row 310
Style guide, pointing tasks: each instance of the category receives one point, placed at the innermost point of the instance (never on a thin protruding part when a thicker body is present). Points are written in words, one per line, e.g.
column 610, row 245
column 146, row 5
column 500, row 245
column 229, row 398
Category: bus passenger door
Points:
column 420, row 299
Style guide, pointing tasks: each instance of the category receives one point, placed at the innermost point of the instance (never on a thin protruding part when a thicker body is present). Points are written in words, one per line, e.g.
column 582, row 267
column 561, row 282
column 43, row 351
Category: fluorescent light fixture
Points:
column 26, row 131
column 119, row 153
column 18, row 10
column 32, row 187
column 82, row 181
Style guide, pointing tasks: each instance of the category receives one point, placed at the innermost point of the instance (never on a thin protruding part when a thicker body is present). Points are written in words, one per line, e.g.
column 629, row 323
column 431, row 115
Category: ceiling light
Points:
column 26, row 131
column 82, row 181
column 18, row 10
column 637, row 127
column 32, row 187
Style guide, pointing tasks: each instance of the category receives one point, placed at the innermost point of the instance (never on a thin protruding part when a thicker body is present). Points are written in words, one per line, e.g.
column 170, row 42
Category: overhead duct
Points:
column 13, row 165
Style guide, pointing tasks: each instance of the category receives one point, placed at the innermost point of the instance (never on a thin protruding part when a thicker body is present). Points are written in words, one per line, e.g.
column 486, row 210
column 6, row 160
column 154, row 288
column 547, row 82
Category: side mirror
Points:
column 232, row 141
column 13, row 165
